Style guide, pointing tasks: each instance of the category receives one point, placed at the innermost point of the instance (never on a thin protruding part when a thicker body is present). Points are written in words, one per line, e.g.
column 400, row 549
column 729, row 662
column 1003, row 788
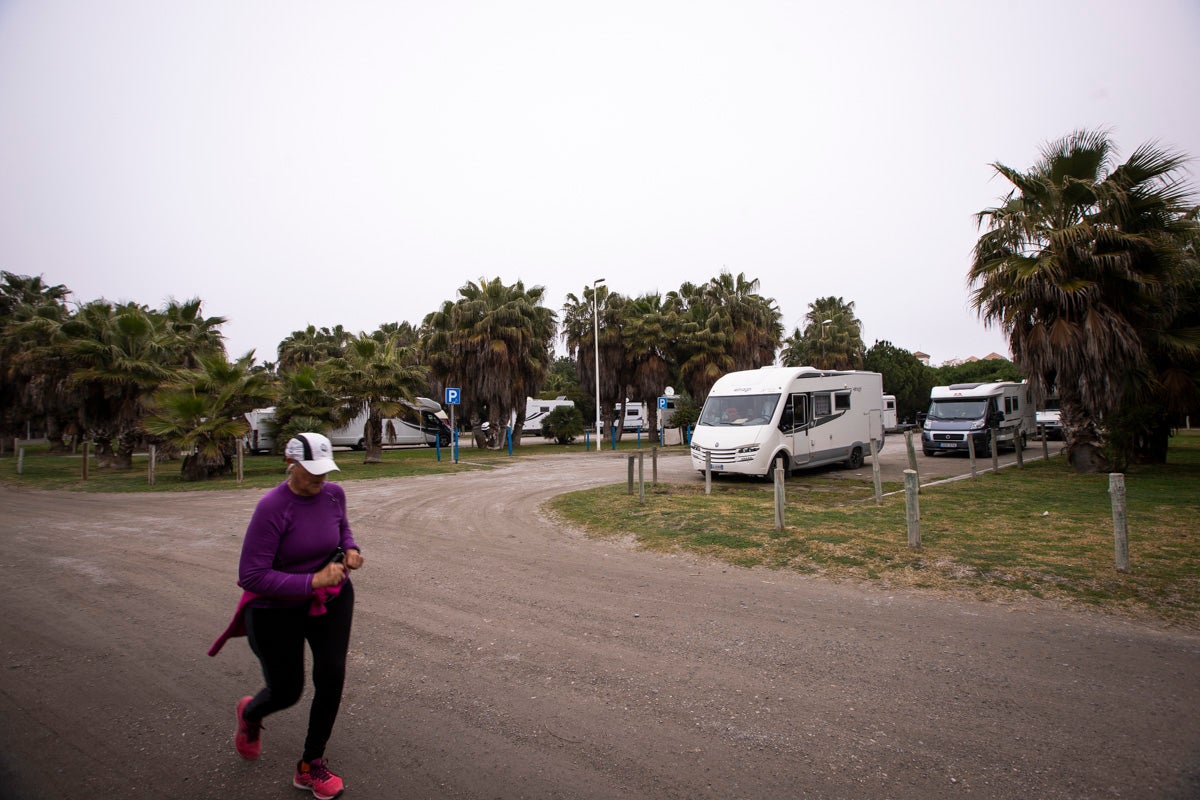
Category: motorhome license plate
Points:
column 947, row 444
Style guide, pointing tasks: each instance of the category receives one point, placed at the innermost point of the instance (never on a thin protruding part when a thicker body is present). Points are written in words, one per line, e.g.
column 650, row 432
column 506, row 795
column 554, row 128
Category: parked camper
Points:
column 794, row 416
column 1049, row 420
column 261, row 436
column 890, row 421
column 973, row 409
column 634, row 415
column 422, row 423
column 537, row 410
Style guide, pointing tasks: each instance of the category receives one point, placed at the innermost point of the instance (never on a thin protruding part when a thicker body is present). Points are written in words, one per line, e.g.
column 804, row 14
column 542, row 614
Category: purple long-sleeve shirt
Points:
column 289, row 538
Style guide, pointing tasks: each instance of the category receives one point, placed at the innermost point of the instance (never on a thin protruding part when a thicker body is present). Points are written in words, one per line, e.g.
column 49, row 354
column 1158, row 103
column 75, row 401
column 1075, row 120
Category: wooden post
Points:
column 995, row 437
column 875, row 473
column 1019, row 444
column 912, row 455
column 629, row 490
column 86, row 447
column 707, row 472
column 241, row 472
column 20, row 460
column 641, row 477
column 654, row 467
column 153, row 461
column 780, row 495
column 912, row 508
column 1116, row 488
column 971, row 452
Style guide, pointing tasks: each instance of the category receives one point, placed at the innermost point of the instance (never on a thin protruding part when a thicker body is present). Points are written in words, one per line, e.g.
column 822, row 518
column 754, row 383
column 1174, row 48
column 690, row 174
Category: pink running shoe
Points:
column 317, row 778
column 246, row 739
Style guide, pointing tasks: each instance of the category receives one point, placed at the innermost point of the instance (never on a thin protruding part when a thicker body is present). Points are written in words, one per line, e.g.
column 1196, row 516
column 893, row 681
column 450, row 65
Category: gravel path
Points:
column 498, row 654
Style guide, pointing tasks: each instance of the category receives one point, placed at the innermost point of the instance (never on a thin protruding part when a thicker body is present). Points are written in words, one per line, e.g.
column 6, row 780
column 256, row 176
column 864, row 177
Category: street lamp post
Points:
column 824, row 323
column 596, row 341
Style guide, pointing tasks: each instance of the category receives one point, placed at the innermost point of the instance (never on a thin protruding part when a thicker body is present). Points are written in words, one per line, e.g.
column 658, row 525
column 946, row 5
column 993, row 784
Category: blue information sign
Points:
column 452, row 397
column 662, row 402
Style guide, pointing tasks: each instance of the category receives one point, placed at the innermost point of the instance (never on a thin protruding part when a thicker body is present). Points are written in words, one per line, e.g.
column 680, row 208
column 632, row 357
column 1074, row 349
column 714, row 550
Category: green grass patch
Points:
column 1042, row 531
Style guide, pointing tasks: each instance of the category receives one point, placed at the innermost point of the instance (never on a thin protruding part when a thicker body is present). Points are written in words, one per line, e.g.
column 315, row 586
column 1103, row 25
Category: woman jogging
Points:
column 297, row 549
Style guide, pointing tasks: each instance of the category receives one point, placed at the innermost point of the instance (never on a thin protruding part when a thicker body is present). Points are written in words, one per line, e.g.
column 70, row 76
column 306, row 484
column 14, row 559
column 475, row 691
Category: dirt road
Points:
column 498, row 654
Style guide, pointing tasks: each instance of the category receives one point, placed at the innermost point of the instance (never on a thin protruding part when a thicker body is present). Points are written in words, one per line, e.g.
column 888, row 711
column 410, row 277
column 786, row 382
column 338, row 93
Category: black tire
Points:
column 856, row 459
column 928, row 452
column 361, row 444
column 780, row 460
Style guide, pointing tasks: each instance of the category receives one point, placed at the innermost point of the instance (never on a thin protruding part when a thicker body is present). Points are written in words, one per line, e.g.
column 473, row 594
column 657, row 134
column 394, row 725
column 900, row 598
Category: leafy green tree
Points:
column 987, row 370
column 1084, row 265
column 903, row 376
column 564, row 425
column 200, row 412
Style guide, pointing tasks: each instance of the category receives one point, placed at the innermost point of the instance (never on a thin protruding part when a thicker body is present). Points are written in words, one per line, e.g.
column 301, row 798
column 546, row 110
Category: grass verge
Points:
column 1042, row 531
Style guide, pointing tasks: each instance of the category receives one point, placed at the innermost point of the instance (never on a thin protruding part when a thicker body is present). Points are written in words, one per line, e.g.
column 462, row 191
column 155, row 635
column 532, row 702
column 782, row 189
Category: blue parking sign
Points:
column 452, row 397
column 662, row 402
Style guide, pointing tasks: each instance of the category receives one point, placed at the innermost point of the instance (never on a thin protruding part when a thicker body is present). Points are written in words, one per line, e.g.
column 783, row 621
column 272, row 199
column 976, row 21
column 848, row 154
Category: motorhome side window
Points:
column 821, row 405
column 841, row 401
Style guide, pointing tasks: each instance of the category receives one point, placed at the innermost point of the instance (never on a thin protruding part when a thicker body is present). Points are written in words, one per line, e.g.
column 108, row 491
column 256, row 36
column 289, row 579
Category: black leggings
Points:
column 277, row 637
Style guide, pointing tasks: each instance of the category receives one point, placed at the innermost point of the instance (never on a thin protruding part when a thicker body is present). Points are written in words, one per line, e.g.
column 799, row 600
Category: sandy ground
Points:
column 499, row 654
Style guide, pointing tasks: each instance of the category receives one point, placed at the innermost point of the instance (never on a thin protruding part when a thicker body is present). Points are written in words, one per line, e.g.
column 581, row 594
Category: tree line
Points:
column 1088, row 267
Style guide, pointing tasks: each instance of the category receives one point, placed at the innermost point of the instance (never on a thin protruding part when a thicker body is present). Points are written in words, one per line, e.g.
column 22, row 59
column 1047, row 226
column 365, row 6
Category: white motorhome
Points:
column 423, row 423
column 1049, row 418
column 973, row 409
column 260, row 437
column 537, row 410
column 794, row 416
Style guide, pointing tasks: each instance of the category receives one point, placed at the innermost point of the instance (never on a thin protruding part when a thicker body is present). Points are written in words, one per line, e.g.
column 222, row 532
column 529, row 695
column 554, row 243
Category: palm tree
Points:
column 32, row 368
column 751, row 321
column 200, row 411
column 579, row 329
column 372, row 377
column 312, row 346
column 120, row 357
column 1081, row 266
column 649, row 329
column 831, row 339
column 493, row 343
column 190, row 334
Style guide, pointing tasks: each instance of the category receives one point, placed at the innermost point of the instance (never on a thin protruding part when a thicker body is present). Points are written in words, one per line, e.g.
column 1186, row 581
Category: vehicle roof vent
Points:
column 965, row 385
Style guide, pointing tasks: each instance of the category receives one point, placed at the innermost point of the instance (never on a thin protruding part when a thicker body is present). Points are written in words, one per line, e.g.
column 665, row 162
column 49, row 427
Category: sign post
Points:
column 453, row 398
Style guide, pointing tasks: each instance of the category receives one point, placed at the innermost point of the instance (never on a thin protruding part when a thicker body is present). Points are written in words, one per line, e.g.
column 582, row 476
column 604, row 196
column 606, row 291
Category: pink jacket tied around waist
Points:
column 237, row 625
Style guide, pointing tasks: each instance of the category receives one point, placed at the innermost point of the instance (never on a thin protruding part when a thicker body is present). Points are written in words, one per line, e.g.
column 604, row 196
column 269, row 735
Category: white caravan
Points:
column 795, row 416
column 1049, row 418
column 890, row 422
column 973, row 409
column 423, row 422
column 537, row 410
column 634, row 415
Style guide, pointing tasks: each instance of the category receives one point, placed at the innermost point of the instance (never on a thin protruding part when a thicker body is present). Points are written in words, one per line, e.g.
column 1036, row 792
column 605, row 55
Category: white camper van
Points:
column 423, row 423
column 634, row 415
column 972, row 409
column 537, row 410
column 795, row 416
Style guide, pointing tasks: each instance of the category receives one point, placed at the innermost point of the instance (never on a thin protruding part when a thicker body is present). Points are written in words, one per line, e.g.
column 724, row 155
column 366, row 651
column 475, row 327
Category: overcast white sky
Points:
column 355, row 163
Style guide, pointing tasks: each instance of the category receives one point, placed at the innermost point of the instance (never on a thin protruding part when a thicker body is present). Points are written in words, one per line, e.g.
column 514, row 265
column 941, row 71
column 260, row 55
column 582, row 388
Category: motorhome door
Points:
column 793, row 425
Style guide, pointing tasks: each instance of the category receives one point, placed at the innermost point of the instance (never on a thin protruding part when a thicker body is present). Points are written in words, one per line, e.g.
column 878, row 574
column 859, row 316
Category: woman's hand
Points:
column 354, row 559
column 331, row 574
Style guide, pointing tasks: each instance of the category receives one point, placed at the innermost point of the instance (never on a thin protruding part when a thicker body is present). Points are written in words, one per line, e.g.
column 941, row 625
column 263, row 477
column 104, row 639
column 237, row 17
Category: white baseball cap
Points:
column 312, row 451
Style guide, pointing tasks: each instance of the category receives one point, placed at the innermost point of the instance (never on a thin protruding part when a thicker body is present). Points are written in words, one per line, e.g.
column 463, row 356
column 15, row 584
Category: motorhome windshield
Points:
column 958, row 409
column 753, row 409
